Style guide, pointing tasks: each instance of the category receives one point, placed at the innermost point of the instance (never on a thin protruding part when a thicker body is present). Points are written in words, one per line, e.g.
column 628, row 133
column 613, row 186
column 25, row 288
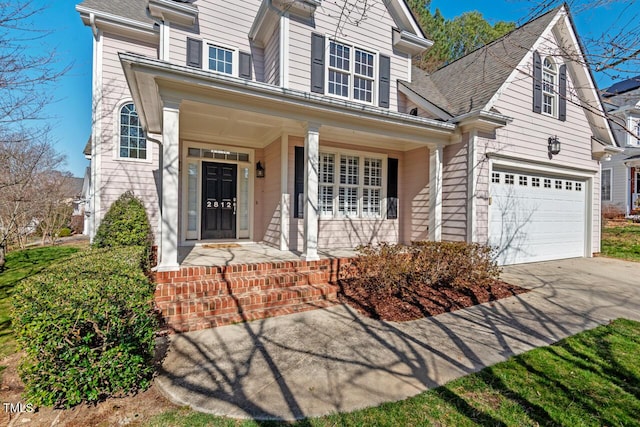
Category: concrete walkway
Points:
column 335, row 360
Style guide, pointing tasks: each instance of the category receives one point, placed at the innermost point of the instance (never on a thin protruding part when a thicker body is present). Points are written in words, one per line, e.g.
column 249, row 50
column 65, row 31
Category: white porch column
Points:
column 311, row 160
column 285, row 211
column 168, row 251
column 435, row 193
column 472, row 187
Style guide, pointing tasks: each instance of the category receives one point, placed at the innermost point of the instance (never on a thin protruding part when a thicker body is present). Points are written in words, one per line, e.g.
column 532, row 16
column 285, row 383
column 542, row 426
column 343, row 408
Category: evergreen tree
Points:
column 454, row 38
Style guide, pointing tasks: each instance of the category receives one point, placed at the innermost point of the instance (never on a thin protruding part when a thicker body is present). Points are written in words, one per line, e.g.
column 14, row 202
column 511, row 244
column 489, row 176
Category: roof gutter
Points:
column 147, row 31
column 483, row 120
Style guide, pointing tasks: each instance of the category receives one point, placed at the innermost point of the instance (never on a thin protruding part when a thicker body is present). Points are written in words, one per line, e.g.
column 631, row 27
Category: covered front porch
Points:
column 223, row 254
column 298, row 173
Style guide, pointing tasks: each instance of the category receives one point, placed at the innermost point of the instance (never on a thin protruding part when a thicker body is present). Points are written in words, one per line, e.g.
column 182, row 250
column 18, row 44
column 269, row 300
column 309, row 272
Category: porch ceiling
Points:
column 213, row 123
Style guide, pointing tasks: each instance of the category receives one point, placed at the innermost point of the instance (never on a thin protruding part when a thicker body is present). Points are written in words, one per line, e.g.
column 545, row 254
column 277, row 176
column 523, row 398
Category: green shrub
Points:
column 64, row 232
column 125, row 224
column 396, row 269
column 87, row 327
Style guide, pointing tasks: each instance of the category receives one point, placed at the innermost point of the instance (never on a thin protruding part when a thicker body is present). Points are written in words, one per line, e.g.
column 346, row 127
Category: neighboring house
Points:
column 77, row 187
column 290, row 123
column 621, row 175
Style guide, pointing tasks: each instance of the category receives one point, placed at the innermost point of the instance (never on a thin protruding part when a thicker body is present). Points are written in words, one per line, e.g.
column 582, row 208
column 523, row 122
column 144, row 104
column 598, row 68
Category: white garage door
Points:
column 536, row 217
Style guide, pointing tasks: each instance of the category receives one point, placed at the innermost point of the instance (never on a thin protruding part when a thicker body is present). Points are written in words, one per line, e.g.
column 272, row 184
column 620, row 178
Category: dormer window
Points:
column 351, row 72
column 549, row 90
column 342, row 70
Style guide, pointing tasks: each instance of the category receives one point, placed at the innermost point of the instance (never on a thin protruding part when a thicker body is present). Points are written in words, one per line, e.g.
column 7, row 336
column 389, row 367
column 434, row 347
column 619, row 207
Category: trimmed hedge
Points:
column 87, row 326
column 124, row 224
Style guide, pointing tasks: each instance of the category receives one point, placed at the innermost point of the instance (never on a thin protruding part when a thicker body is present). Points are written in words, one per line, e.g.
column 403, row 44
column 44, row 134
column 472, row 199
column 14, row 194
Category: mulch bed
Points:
column 424, row 301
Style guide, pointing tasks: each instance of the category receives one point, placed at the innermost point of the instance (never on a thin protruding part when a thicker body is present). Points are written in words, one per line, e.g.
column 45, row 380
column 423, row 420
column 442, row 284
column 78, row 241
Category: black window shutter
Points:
column 317, row 63
column 537, row 83
column 194, row 53
column 244, row 65
column 392, row 188
column 385, row 79
column 562, row 91
column 298, row 186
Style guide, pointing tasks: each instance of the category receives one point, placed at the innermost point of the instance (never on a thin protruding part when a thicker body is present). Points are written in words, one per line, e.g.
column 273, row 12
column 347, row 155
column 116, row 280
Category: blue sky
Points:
column 70, row 115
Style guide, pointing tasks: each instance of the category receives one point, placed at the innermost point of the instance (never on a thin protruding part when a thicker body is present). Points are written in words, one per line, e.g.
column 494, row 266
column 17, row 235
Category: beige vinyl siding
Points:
column 372, row 33
column 272, row 58
column 454, row 191
column 481, row 190
column 224, row 23
column 414, row 197
column 271, row 194
column 120, row 175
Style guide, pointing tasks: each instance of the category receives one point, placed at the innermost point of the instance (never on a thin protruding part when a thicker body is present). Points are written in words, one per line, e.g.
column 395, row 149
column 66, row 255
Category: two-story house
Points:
column 621, row 175
column 301, row 124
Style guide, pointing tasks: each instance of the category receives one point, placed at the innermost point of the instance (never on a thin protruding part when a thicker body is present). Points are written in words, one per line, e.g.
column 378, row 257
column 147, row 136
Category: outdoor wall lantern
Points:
column 259, row 170
column 554, row 146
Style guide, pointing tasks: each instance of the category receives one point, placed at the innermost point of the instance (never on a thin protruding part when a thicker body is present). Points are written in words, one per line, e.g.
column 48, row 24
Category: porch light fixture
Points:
column 554, row 146
column 259, row 170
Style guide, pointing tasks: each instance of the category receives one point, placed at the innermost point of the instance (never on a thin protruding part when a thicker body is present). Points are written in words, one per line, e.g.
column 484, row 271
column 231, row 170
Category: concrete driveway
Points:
column 335, row 360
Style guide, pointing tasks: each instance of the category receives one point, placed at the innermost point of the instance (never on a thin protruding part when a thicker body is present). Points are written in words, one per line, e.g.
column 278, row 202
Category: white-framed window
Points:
column 133, row 144
column 221, row 58
column 495, row 177
column 350, row 185
column 547, row 183
column 606, row 185
column 535, row 182
column 326, row 181
column 549, row 87
column 638, row 132
column 522, row 180
column 372, row 187
column 351, row 72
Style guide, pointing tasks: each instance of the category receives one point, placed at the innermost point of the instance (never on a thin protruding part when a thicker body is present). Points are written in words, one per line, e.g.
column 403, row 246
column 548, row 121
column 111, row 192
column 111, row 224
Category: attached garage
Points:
column 537, row 217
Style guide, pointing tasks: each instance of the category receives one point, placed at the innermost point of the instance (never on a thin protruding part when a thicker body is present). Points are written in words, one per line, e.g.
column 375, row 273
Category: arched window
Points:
column 549, row 87
column 133, row 144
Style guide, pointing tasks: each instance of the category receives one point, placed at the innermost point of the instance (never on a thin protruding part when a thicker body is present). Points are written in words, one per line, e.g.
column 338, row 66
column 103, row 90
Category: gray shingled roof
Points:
column 132, row 9
column 467, row 84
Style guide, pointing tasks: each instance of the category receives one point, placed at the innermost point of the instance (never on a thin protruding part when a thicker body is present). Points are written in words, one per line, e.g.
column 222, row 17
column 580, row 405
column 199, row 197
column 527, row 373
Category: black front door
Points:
column 219, row 200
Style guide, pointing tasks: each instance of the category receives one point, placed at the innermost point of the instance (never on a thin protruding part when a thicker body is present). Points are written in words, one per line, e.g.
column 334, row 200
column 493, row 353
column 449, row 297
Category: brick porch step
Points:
column 198, row 323
column 195, row 298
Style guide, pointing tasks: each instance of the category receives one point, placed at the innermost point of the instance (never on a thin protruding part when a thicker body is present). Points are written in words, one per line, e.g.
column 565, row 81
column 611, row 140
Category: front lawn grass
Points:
column 621, row 242
column 590, row 379
column 20, row 265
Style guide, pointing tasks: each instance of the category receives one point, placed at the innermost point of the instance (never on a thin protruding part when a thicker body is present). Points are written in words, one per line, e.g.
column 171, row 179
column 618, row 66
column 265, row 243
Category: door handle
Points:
column 234, row 205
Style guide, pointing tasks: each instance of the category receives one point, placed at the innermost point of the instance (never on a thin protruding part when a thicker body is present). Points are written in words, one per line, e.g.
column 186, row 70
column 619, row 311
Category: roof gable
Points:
column 469, row 83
